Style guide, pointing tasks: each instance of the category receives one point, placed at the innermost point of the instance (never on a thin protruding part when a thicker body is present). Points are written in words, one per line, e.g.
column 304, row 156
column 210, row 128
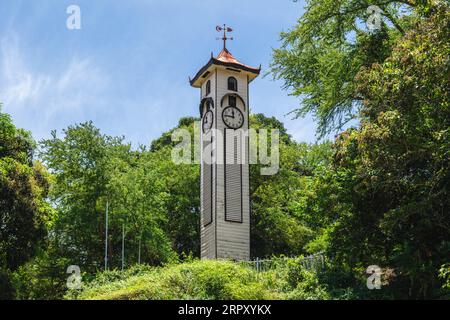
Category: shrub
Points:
column 206, row 279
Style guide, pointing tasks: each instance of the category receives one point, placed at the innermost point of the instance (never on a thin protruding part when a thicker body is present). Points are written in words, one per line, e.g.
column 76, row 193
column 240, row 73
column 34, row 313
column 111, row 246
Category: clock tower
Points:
column 224, row 111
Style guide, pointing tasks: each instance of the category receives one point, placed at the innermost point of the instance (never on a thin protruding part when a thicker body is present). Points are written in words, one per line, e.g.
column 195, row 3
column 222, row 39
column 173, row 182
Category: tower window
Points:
column 232, row 101
column 232, row 84
column 208, row 87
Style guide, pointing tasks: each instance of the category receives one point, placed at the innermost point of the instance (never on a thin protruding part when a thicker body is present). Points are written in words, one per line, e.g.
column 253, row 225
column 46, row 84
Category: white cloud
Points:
column 17, row 84
column 38, row 99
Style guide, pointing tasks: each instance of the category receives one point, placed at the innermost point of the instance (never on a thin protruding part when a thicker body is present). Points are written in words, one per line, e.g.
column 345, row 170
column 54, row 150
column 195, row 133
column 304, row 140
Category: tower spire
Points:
column 225, row 29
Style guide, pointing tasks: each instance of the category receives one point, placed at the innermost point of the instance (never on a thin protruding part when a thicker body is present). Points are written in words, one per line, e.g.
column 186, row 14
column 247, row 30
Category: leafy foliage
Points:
column 204, row 280
column 42, row 278
column 444, row 274
column 398, row 161
column 92, row 170
column 24, row 185
column 320, row 57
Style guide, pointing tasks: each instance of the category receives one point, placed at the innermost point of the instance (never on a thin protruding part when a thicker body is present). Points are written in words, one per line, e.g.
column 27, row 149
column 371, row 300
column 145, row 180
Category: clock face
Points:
column 208, row 120
column 233, row 117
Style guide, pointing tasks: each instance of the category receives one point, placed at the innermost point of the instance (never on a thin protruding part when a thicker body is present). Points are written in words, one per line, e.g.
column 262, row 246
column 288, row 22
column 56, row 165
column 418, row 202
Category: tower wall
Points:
column 222, row 238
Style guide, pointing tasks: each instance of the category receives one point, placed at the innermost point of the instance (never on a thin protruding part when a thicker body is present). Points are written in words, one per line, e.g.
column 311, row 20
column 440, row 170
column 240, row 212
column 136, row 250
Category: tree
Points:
column 91, row 170
column 24, row 212
column 398, row 162
column 81, row 164
column 182, row 183
column 141, row 194
column 281, row 222
column 320, row 57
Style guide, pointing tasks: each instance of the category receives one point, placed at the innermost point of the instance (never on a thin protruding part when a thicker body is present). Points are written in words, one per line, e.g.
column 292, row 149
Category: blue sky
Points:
column 127, row 68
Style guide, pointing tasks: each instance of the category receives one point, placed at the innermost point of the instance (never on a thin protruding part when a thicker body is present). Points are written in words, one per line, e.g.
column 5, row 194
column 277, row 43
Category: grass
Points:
column 206, row 279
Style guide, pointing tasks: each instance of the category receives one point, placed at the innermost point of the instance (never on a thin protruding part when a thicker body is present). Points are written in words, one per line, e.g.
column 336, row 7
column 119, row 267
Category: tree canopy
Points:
column 24, row 212
column 321, row 55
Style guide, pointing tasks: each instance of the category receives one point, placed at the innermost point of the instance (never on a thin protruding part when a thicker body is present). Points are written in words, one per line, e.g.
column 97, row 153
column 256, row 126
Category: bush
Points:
column 43, row 278
column 444, row 274
column 206, row 279
column 6, row 288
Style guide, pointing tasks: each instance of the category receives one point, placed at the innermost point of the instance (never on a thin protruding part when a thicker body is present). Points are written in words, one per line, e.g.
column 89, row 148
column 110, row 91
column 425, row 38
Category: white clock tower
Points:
column 225, row 200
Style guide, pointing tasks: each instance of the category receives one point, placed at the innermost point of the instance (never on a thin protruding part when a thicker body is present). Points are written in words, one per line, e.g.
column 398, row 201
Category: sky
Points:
column 127, row 68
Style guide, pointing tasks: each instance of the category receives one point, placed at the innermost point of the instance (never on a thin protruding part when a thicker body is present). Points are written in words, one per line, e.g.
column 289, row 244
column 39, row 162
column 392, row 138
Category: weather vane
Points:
column 225, row 29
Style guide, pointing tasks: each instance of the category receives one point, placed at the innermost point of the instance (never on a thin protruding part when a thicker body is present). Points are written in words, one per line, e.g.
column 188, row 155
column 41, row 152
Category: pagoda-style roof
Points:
column 224, row 59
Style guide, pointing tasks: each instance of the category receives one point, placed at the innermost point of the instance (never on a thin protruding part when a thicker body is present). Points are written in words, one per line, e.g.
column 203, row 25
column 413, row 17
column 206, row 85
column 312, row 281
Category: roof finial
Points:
column 225, row 29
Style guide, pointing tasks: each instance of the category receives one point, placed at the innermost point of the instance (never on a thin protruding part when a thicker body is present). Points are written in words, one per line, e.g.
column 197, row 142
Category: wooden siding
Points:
column 224, row 239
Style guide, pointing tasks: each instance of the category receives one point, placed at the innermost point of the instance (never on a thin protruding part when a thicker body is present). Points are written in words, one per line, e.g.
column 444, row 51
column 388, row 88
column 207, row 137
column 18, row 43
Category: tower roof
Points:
column 226, row 60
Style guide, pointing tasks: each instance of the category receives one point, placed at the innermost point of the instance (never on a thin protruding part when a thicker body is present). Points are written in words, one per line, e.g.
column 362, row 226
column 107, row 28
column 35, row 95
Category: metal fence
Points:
column 311, row 262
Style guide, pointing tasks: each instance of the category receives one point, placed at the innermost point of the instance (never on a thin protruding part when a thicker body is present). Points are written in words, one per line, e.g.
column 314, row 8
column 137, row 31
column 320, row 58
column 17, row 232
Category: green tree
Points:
column 320, row 56
column 81, row 164
column 182, row 183
column 24, row 212
column 281, row 221
column 44, row 277
column 91, row 170
column 141, row 194
column 398, row 163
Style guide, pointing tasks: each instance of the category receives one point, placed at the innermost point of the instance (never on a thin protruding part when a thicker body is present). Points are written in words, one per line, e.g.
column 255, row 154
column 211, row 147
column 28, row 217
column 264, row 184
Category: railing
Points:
column 311, row 262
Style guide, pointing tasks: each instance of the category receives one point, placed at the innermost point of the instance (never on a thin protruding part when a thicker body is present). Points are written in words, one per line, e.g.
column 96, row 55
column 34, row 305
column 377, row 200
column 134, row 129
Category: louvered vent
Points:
column 207, row 194
column 233, row 182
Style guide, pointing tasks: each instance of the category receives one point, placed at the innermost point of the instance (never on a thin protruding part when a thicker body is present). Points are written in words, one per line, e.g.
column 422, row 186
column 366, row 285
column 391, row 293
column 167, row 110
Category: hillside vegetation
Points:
column 209, row 280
